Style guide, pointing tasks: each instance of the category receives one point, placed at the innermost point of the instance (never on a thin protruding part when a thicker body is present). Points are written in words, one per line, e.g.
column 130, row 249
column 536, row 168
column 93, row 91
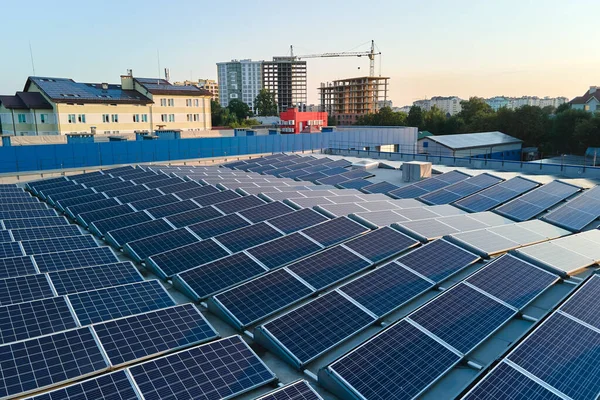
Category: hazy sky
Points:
column 430, row 48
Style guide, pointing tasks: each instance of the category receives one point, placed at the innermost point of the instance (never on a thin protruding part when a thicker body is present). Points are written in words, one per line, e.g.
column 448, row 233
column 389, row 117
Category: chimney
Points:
column 127, row 81
column 593, row 89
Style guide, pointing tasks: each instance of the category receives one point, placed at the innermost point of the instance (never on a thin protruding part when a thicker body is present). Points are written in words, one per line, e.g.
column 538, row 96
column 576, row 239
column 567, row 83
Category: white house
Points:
column 590, row 101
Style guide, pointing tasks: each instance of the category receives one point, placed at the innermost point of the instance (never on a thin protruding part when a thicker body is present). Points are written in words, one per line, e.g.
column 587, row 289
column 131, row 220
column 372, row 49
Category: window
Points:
column 136, row 117
column 171, row 117
column 163, row 117
column 163, row 102
column 144, row 117
column 22, row 118
column 196, row 117
column 71, row 118
column 188, row 102
column 115, row 118
column 105, row 118
column 189, row 117
column 196, row 103
column 171, row 103
column 43, row 118
column 81, row 118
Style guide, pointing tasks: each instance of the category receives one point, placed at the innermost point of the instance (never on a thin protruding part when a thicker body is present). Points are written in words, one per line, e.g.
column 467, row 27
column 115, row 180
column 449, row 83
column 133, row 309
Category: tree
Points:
column 472, row 107
column 331, row 121
column 434, row 120
column 265, row 104
column 587, row 133
column 216, row 113
column 239, row 109
column 415, row 117
column 563, row 107
column 560, row 138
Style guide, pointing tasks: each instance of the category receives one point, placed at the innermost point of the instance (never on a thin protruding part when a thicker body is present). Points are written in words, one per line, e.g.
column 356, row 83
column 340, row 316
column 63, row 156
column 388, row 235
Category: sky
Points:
column 429, row 48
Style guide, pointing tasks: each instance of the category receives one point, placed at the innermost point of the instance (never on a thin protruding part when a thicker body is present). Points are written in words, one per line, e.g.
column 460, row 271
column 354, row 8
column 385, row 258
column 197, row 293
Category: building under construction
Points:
column 285, row 77
column 347, row 99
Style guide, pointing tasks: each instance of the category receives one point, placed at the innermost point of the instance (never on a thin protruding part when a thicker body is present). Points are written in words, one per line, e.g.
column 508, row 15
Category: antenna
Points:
column 158, row 60
column 31, row 54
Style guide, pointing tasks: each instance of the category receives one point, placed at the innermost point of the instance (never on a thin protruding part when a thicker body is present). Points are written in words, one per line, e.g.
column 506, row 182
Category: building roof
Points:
column 586, row 97
column 161, row 86
column 63, row 90
column 25, row 101
column 474, row 140
column 424, row 134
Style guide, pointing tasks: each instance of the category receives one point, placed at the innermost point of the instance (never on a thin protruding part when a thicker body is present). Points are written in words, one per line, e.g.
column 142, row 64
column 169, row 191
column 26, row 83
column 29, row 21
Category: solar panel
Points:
column 63, row 204
column 24, row 288
column 218, row 226
column 180, row 187
column 154, row 202
column 438, row 260
column 31, row 223
column 112, row 386
column 332, row 180
column 16, row 214
column 149, row 179
column 354, row 184
column 381, row 244
column 32, row 204
column 143, row 248
column 74, row 210
column 309, row 330
column 121, row 236
column 35, row 363
column 496, row 195
column 387, row 288
column 284, row 250
column 136, row 196
column 16, row 266
column 248, row 236
column 163, row 183
column 45, row 232
column 140, row 336
column 91, row 216
column 265, row 211
column 172, row 208
column 403, row 361
column 119, row 301
column 182, row 258
column 42, row 246
column 74, row 258
column 35, row 318
column 218, row 275
column 239, row 204
column 132, row 190
column 312, row 177
column 564, row 354
column 197, row 192
column 583, row 304
column 5, row 236
column 379, row 187
column 505, row 382
column 299, row 390
column 512, row 280
column 216, row 197
column 193, row 216
column 52, row 199
column 109, row 224
column 462, row 317
column 335, row 231
column 95, row 277
column 63, row 187
column 10, row 249
column 115, row 185
column 221, row 369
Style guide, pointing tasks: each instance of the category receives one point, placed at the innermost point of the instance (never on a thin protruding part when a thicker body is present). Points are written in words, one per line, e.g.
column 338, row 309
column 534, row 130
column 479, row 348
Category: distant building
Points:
column 497, row 102
column 241, row 80
column 348, row 99
column 513, row 103
column 404, row 109
column 285, row 77
column 57, row 106
column 496, row 145
column 312, row 108
column 294, row 121
column 590, row 101
column 207, row 84
column 384, row 103
column 449, row 105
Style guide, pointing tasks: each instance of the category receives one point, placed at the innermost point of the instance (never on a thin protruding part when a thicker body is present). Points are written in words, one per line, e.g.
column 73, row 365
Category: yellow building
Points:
column 208, row 84
column 57, row 106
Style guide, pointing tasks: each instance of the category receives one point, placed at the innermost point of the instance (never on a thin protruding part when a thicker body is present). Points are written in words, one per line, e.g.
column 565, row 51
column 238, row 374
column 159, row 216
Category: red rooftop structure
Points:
column 294, row 121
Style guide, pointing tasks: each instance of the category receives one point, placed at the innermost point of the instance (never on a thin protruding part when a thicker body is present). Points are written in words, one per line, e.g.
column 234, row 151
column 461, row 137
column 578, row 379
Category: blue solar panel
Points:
column 266, row 211
column 16, row 266
column 105, row 186
column 583, row 305
column 10, row 249
column 42, row 246
column 297, row 220
column 182, row 258
column 35, row 363
column 239, row 204
column 121, row 236
column 259, row 298
column 284, row 250
column 218, row 226
column 52, row 199
column 119, row 301
column 505, row 382
column 33, row 204
column 92, row 278
column 496, row 195
column 180, row 187
column 335, row 231
column 105, row 387
column 62, row 187
column 74, row 258
column 197, row 192
column 45, row 232
column 133, row 338
column 216, row 197
column 299, row 390
column 149, row 246
column 91, row 216
column 354, row 184
column 63, row 204
column 35, row 318
column 126, row 191
column 403, row 361
column 91, row 206
column 386, row 288
column 327, row 267
column 332, row 180
column 564, row 354
column 5, row 236
column 109, row 224
column 247, row 237
column 193, row 216
column 154, row 202
column 218, row 370
column 137, row 196
column 24, row 288
column 149, row 179
column 381, row 244
column 380, row 187
column 309, row 330
column 438, row 260
column 312, row 177
column 163, row 183
column 31, row 223
column 463, row 317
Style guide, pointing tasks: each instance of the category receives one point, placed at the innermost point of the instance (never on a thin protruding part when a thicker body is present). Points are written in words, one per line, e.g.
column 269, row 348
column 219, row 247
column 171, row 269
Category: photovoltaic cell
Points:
column 335, row 231
column 247, row 237
column 32, row 204
column 149, row 246
column 119, row 301
column 24, row 288
column 239, row 204
column 15, row 214
column 119, row 237
column 35, row 318
column 10, row 249
column 265, row 211
column 37, row 222
column 186, row 257
column 216, row 197
column 381, row 244
column 74, row 258
column 91, row 216
column 300, row 390
column 284, row 250
column 133, row 338
column 45, row 232
column 49, row 360
column 380, row 187
column 133, row 197
column 109, row 224
column 196, row 192
column 193, row 217
column 92, row 278
column 74, row 210
column 63, row 204
column 154, row 202
column 217, row 226
column 16, row 266
column 583, row 304
column 309, row 330
column 54, row 245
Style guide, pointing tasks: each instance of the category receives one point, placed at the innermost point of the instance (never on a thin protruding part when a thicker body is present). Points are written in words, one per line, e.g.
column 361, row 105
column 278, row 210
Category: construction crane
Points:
column 371, row 54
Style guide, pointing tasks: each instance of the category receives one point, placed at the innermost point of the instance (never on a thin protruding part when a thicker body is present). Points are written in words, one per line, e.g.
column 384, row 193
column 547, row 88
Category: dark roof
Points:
column 586, row 97
column 62, row 90
column 161, row 86
column 26, row 101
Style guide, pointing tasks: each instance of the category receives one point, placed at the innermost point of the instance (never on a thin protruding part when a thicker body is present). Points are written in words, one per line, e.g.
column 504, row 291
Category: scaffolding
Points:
column 348, row 99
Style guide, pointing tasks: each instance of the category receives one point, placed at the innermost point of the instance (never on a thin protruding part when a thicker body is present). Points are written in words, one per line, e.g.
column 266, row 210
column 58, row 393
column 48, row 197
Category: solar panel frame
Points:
column 299, row 390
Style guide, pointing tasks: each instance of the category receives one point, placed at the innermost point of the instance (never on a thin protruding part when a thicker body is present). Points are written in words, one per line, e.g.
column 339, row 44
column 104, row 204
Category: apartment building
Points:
column 240, row 80
column 57, row 106
column 512, row 103
column 208, row 84
column 285, row 77
column 449, row 105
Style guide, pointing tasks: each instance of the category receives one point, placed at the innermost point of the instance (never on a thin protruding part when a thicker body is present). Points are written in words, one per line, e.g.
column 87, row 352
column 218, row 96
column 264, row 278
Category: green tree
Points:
column 216, row 113
column 587, row 133
column 415, row 117
column 434, row 120
column 239, row 109
column 472, row 107
column 265, row 104
column 561, row 135
column 331, row 121
column 563, row 107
